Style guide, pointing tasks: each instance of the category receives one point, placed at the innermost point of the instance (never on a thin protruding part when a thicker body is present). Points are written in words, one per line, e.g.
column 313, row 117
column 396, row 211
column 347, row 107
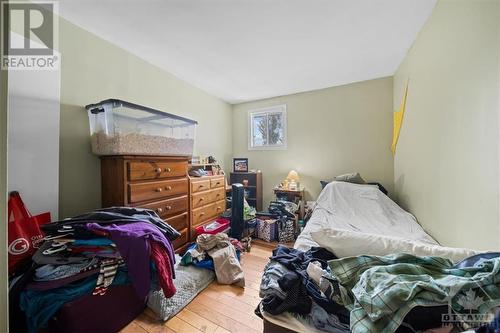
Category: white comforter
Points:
column 362, row 208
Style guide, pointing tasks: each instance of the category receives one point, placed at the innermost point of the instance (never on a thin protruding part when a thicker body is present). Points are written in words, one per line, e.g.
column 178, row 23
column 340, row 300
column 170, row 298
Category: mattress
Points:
column 362, row 208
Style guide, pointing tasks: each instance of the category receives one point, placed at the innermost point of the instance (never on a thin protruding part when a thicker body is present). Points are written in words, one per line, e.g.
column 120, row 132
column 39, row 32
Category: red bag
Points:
column 25, row 235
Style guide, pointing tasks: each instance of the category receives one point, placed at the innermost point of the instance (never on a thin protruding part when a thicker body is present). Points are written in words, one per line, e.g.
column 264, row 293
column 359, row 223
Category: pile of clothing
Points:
column 219, row 253
column 396, row 293
column 381, row 292
column 287, row 286
column 90, row 253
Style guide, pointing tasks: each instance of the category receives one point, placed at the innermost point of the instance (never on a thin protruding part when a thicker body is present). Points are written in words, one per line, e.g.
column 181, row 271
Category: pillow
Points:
column 344, row 243
column 380, row 186
column 351, row 178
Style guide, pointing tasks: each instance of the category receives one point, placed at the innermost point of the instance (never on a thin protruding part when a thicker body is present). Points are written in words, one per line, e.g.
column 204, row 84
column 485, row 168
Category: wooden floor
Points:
column 219, row 308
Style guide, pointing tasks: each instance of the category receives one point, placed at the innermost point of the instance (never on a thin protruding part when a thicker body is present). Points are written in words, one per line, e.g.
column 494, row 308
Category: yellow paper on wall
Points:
column 398, row 121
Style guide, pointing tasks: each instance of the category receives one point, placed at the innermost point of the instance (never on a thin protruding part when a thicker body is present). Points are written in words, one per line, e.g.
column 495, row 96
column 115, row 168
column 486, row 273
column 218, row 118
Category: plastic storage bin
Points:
column 122, row 128
column 212, row 228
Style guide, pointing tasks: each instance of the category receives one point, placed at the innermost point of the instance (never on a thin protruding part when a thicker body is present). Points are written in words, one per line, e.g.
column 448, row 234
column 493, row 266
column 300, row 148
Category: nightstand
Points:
column 293, row 195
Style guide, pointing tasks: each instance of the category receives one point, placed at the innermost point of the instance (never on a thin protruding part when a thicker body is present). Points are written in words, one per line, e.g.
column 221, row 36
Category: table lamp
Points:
column 293, row 180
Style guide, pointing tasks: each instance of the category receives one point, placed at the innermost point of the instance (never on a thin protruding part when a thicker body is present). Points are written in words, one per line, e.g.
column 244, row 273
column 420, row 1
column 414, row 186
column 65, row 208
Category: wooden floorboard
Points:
column 219, row 308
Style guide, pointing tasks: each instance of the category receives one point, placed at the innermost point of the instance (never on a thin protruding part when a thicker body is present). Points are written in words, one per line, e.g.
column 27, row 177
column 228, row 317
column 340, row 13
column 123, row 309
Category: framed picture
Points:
column 240, row 164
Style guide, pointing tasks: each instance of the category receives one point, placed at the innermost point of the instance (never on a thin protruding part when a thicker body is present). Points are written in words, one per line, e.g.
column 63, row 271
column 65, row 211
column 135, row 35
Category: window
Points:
column 267, row 128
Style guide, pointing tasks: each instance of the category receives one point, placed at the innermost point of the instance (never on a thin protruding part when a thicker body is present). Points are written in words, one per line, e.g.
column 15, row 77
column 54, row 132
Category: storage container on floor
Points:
column 122, row 128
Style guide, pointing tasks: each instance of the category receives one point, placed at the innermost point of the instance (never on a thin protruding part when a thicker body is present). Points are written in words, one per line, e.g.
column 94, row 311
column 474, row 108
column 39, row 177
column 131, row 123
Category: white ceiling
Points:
column 241, row 50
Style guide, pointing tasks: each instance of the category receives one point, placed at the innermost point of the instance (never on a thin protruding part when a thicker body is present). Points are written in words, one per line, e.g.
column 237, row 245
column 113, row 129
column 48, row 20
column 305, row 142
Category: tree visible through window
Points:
column 267, row 128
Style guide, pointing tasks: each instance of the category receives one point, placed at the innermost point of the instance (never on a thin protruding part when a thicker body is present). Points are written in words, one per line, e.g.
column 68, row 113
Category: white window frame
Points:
column 270, row 109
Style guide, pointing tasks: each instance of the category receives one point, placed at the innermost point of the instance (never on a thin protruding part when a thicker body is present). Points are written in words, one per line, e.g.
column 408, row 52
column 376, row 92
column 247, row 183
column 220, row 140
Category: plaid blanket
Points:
column 380, row 291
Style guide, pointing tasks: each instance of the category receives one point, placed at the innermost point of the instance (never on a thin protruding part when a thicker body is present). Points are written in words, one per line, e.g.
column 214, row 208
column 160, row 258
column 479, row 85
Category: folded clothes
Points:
column 107, row 272
column 86, row 255
column 55, row 272
column 52, row 284
column 113, row 215
column 93, row 242
column 92, row 249
column 40, row 306
column 58, row 258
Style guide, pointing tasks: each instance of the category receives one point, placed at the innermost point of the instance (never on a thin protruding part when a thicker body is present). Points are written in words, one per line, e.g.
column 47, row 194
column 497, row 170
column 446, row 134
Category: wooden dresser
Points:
column 159, row 183
column 207, row 200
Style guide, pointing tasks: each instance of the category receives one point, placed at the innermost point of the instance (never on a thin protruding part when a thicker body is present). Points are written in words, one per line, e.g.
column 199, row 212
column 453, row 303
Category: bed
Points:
column 361, row 208
column 347, row 206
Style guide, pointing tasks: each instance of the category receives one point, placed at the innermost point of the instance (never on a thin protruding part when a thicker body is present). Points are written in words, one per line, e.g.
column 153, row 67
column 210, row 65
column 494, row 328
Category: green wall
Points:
column 330, row 132
column 446, row 168
column 93, row 69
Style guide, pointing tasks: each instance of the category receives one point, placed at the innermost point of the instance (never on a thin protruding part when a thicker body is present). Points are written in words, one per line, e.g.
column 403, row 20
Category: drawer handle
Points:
column 168, row 170
column 202, row 213
column 159, row 189
column 159, row 210
column 218, row 183
column 201, row 185
column 158, row 170
column 217, row 195
column 202, row 198
column 219, row 208
column 168, row 207
column 168, row 188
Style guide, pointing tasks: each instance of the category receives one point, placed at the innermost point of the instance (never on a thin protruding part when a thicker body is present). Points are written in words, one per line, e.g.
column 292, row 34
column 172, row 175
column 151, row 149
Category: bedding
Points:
column 345, row 243
column 381, row 291
column 362, row 208
column 323, row 183
column 357, row 208
column 354, row 177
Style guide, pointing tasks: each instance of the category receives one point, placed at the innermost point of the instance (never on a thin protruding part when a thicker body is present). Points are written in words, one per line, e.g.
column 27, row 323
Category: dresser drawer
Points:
column 201, row 199
column 145, row 170
column 217, row 182
column 183, row 239
column 178, row 222
column 211, row 211
column 200, row 185
column 217, row 194
column 169, row 206
column 217, row 208
column 199, row 215
column 156, row 190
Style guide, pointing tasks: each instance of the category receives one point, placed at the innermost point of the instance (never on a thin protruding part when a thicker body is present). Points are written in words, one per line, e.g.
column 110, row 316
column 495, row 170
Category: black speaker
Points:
column 237, row 221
